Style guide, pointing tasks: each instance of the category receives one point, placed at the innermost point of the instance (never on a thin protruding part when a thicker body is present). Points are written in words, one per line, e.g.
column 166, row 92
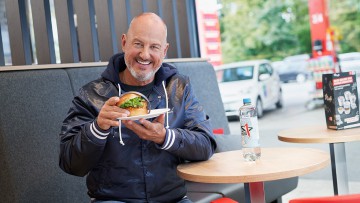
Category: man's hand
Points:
column 146, row 130
column 109, row 113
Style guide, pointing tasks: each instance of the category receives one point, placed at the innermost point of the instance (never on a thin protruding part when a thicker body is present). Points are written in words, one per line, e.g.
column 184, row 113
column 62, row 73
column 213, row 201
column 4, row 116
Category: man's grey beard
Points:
column 140, row 77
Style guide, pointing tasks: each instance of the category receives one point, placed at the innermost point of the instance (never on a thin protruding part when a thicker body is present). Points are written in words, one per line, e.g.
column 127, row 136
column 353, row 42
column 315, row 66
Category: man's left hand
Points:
column 146, row 130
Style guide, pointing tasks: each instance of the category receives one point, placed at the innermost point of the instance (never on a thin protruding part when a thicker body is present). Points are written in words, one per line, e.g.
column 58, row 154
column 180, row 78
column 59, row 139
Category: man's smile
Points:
column 143, row 62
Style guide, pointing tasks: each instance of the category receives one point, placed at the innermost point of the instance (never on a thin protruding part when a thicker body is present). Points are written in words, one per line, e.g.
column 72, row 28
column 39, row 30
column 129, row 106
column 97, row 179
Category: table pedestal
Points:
column 254, row 192
column 339, row 168
column 336, row 140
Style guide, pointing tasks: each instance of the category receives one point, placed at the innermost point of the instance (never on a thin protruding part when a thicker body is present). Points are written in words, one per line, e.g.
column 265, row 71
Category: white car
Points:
column 350, row 62
column 253, row 79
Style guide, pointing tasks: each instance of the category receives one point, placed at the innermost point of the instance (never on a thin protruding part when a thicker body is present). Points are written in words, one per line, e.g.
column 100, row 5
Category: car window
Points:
column 270, row 69
column 264, row 69
column 238, row 73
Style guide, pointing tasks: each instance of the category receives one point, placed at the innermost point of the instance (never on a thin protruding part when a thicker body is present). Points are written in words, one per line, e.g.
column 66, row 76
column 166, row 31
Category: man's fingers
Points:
column 145, row 123
column 112, row 110
column 153, row 131
column 132, row 125
column 109, row 114
column 112, row 101
column 150, row 125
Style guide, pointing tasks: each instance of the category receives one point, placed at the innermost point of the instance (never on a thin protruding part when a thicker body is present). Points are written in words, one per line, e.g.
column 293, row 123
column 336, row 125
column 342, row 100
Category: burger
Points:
column 135, row 102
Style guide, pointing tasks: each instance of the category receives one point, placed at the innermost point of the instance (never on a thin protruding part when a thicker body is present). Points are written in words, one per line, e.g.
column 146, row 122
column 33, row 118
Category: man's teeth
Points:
column 144, row 62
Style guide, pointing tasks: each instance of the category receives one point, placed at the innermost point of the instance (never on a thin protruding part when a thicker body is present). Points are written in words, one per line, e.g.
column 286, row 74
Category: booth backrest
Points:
column 33, row 105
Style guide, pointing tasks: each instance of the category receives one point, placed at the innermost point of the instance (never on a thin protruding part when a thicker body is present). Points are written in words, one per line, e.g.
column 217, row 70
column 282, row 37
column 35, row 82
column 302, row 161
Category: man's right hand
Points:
column 109, row 113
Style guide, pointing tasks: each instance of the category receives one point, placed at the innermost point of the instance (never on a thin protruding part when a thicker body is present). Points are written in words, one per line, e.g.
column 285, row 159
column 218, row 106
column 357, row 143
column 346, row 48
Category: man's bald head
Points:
column 145, row 47
column 150, row 19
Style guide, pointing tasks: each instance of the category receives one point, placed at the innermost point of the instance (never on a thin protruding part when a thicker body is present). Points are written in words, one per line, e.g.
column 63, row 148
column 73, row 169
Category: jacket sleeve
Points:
column 194, row 140
column 81, row 140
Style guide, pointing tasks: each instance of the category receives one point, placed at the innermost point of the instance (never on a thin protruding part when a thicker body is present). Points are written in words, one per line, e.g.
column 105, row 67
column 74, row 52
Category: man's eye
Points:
column 137, row 44
column 155, row 47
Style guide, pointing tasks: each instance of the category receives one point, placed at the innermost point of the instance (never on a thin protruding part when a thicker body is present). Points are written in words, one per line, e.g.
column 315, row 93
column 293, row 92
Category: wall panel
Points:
column 68, row 45
column 87, row 37
column 90, row 30
column 104, row 29
column 19, row 34
column 120, row 19
column 169, row 20
column 44, row 40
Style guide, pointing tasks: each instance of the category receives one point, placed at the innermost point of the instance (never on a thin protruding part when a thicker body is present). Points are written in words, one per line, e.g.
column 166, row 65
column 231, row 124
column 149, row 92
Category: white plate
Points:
column 153, row 113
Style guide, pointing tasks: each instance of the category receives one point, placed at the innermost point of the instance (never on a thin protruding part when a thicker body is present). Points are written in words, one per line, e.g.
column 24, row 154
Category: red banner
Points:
column 321, row 39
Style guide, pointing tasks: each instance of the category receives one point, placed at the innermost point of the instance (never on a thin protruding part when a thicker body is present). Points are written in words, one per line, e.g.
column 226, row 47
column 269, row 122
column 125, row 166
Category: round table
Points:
column 336, row 140
column 274, row 164
column 319, row 134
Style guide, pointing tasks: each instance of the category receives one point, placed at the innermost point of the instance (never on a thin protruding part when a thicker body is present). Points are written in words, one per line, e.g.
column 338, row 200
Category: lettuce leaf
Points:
column 136, row 102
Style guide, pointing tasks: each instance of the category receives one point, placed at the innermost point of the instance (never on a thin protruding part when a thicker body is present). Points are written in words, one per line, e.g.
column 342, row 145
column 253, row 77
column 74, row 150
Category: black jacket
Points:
column 139, row 171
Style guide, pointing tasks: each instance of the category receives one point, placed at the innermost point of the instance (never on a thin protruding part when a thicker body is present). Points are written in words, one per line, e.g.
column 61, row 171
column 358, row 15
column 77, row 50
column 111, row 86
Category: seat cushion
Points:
column 224, row 200
column 199, row 197
column 227, row 142
column 352, row 198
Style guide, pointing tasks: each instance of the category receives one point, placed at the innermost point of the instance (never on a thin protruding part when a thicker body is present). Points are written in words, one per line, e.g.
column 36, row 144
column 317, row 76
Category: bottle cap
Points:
column 246, row 100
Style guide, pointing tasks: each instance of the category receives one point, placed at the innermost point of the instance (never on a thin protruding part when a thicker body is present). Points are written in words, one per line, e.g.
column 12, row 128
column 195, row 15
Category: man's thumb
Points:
column 160, row 119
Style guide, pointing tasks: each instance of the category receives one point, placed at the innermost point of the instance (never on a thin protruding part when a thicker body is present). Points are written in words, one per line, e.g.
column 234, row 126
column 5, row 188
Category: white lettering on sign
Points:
column 317, row 18
column 342, row 81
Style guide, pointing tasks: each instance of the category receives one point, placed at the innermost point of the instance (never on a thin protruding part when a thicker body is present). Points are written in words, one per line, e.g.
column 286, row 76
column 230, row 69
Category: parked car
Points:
column 289, row 73
column 293, row 68
column 350, row 62
column 253, row 79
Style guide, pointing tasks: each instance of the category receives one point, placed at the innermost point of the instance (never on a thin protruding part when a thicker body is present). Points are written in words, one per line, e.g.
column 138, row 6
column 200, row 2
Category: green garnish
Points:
column 136, row 102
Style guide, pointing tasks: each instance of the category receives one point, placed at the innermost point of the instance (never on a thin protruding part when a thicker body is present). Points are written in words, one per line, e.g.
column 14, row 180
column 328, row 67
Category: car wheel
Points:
column 259, row 108
column 280, row 103
column 300, row 78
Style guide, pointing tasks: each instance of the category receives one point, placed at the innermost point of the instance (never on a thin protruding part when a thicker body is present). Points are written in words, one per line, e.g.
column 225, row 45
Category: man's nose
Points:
column 145, row 53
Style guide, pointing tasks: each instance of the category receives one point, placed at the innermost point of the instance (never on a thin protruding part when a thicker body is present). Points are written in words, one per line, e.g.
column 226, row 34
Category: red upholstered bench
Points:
column 352, row 198
column 224, row 200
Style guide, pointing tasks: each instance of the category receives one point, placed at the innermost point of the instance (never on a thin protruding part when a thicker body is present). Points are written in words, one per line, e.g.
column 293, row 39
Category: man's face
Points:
column 145, row 48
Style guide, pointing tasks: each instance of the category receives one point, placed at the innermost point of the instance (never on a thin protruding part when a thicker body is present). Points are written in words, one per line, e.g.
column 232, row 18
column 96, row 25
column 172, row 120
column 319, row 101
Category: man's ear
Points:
column 166, row 48
column 123, row 41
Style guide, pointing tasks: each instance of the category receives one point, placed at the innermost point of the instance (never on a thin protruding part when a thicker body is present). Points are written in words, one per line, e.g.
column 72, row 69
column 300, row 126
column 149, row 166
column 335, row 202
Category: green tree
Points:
column 275, row 29
column 238, row 24
column 345, row 17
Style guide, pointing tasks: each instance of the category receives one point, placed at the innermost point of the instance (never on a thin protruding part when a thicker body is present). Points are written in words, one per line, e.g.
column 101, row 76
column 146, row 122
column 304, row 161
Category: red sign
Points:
column 320, row 29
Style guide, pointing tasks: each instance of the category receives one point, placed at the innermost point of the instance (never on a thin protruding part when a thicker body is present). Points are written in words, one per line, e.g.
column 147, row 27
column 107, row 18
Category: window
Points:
column 263, row 69
column 238, row 73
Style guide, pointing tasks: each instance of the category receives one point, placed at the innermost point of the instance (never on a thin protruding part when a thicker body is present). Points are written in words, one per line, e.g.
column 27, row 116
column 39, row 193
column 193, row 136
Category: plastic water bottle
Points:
column 249, row 131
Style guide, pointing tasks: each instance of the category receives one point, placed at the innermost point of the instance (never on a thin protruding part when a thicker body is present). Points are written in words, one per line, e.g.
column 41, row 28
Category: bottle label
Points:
column 249, row 132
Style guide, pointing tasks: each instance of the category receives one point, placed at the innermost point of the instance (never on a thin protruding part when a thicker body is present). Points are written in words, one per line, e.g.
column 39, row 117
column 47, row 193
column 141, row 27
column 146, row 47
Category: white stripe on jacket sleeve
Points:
column 169, row 140
column 97, row 132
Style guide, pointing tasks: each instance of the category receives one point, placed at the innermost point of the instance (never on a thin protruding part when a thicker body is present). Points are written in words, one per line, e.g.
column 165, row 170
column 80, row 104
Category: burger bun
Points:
column 138, row 110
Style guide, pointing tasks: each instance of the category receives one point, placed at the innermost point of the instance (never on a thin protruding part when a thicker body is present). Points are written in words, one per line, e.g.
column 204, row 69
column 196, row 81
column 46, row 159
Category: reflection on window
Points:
column 239, row 73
